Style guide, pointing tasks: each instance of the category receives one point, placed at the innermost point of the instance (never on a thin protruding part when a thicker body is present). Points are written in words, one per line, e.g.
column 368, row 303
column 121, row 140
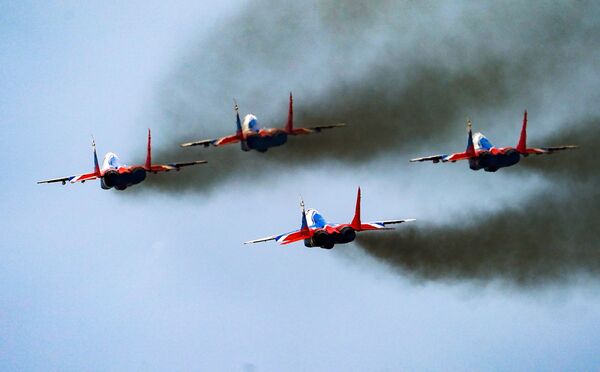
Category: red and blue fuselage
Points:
column 118, row 175
column 317, row 232
column 481, row 154
column 260, row 139
column 490, row 158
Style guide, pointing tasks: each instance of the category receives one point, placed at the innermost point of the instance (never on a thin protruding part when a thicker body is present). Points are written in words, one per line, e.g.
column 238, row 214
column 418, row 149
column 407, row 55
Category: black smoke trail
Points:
column 552, row 238
column 398, row 73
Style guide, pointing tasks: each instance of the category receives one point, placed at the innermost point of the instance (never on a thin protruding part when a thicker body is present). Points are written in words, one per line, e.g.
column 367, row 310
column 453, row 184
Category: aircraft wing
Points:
column 234, row 138
column 298, row 235
column 172, row 166
column 392, row 222
column 260, row 240
column 444, row 158
column 316, row 129
column 72, row 179
column 542, row 150
column 433, row 158
column 204, row 143
column 321, row 127
column 456, row 156
column 52, row 180
column 382, row 225
column 187, row 164
column 286, row 238
column 549, row 150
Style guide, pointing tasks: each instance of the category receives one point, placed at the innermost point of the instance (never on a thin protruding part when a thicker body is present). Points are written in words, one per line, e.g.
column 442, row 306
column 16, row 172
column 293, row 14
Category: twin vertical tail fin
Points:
column 470, row 145
column 304, row 229
column 289, row 126
column 239, row 130
column 148, row 164
column 96, row 165
column 238, row 122
column 522, row 145
column 356, row 222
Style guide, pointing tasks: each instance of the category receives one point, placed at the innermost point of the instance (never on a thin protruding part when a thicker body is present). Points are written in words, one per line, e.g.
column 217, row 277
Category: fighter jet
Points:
column 483, row 155
column 316, row 232
column 252, row 137
column 118, row 175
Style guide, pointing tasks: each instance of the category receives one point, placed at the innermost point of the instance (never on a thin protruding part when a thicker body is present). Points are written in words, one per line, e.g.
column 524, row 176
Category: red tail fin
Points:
column 289, row 126
column 522, row 145
column 356, row 223
column 148, row 164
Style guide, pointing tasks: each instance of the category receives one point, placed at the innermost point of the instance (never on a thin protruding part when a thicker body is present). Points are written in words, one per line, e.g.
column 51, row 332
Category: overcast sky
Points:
column 156, row 277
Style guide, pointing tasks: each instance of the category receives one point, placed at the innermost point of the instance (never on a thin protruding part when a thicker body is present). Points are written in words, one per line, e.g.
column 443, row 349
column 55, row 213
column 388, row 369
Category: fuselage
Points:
column 326, row 235
column 118, row 175
column 490, row 158
column 260, row 139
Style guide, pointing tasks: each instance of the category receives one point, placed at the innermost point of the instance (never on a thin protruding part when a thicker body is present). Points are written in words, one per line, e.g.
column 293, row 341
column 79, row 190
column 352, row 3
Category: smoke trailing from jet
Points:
column 399, row 74
column 402, row 75
column 553, row 237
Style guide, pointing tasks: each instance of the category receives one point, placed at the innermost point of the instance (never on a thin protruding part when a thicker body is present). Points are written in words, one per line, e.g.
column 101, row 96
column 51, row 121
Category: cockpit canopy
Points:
column 251, row 123
column 315, row 219
column 481, row 142
column 111, row 160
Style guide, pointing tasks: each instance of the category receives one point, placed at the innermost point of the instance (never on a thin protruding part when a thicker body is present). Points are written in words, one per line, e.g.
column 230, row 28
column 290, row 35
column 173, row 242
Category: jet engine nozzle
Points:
column 346, row 235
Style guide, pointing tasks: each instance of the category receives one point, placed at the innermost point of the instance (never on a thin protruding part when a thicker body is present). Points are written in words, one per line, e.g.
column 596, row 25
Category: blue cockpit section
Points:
column 484, row 143
column 114, row 162
column 253, row 124
column 319, row 220
column 250, row 123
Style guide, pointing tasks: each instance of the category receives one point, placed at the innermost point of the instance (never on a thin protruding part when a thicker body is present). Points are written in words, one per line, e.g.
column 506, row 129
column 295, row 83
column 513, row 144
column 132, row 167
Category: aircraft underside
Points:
column 322, row 239
column 491, row 163
column 263, row 143
column 121, row 181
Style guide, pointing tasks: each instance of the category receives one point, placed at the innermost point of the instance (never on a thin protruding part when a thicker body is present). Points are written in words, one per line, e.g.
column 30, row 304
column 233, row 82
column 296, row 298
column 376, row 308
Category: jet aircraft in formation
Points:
column 115, row 174
column 252, row 136
column 316, row 232
column 483, row 155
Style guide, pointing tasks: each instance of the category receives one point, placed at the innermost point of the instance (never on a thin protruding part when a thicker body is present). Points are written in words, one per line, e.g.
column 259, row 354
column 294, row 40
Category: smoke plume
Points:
column 551, row 238
column 399, row 73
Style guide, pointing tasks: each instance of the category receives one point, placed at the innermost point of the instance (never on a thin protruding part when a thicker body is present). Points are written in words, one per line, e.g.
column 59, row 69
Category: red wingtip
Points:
column 522, row 145
column 356, row 222
column 148, row 164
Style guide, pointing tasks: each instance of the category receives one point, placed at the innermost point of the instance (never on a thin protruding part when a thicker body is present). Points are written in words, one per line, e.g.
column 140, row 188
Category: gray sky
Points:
column 154, row 280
